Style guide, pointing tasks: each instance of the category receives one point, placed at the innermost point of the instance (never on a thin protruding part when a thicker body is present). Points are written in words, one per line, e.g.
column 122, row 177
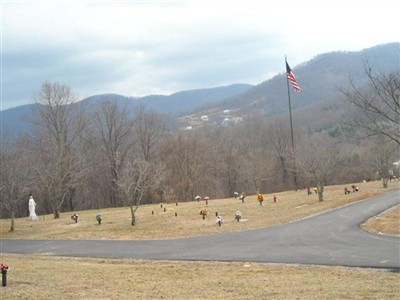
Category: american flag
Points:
column 292, row 78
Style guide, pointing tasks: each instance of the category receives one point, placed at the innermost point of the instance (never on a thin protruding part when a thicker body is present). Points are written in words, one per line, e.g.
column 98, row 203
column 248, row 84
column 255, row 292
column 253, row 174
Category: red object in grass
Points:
column 4, row 267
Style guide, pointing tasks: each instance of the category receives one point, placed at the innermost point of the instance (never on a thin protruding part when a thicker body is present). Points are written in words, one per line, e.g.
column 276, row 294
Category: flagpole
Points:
column 291, row 129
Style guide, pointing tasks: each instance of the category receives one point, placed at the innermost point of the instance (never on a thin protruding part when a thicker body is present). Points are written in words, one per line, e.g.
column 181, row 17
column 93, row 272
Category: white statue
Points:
column 32, row 206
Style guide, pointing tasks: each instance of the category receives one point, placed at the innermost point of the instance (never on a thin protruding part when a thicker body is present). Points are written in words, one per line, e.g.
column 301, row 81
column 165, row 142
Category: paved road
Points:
column 331, row 238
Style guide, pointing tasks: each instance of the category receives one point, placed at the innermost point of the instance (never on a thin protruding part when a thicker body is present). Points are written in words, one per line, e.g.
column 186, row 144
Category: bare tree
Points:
column 10, row 191
column 249, row 134
column 58, row 176
column 114, row 137
column 14, row 178
column 278, row 137
column 60, row 120
column 318, row 159
column 229, row 161
column 380, row 156
column 188, row 163
column 256, row 165
column 149, row 128
column 138, row 178
column 379, row 104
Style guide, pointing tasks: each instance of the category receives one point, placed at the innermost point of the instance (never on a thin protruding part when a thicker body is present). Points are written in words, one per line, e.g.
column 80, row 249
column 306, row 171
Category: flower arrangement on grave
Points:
column 260, row 198
column 238, row 216
column 203, row 212
column 75, row 217
column 99, row 218
column 4, row 268
column 242, row 196
column 219, row 220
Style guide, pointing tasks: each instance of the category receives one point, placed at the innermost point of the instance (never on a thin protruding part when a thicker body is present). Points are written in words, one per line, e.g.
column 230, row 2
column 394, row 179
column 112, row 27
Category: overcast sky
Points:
column 137, row 48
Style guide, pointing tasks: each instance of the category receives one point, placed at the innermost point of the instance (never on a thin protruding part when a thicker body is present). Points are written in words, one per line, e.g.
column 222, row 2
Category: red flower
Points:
column 3, row 267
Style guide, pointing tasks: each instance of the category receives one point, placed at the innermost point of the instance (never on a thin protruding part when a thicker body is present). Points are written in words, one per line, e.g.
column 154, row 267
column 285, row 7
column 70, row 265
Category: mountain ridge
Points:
column 320, row 79
column 13, row 119
column 178, row 102
column 321, row 76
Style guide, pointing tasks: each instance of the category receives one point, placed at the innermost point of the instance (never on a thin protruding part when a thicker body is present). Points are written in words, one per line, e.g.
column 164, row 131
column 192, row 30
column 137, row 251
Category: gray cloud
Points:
column 142, row 48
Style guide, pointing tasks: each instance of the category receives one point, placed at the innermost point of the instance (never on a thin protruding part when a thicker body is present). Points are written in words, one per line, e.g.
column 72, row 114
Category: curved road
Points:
column 330, row 238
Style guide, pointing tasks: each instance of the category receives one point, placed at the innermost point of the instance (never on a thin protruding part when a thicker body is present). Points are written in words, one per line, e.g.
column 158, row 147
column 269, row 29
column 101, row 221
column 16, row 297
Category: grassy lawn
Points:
column 41, row 277
column 47, row 277
column 153, row 222
column 387, row 222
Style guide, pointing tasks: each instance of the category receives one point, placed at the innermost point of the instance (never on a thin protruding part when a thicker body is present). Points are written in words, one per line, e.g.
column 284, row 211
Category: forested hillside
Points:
column 320, row 79
column 15, row 120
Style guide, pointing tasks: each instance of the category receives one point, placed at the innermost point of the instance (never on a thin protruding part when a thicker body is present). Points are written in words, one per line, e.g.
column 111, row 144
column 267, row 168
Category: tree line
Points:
column 78, row 157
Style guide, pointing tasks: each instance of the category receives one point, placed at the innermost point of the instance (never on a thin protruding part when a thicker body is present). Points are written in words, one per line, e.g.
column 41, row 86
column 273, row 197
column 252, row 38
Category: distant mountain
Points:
column 14, row 119
column 180, row 102
column 320, row 80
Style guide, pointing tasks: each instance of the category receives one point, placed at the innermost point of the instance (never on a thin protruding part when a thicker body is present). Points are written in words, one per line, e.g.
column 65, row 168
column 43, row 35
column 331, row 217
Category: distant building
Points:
column 188, row 128
column 227, row 111
column 204, row 118
column 237, row 120
column 226, row 122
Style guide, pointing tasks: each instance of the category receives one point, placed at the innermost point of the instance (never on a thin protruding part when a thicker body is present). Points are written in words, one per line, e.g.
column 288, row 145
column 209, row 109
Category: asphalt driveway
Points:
column 331, row 238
